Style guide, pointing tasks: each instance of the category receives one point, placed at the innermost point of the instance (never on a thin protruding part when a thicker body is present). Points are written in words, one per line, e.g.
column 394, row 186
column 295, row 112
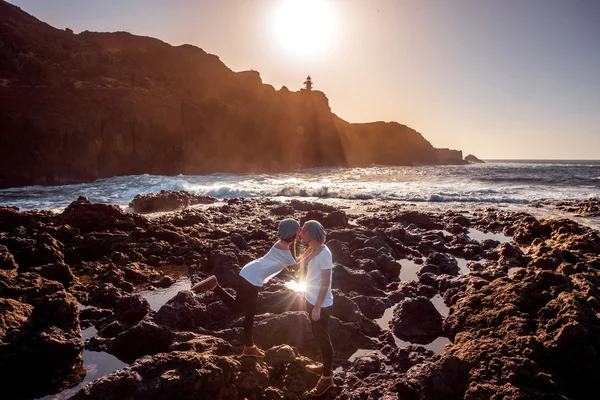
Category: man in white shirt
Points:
column 319, row 300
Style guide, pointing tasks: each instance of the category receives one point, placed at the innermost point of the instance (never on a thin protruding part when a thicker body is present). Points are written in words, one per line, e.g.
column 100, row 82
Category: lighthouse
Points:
column 308, row 83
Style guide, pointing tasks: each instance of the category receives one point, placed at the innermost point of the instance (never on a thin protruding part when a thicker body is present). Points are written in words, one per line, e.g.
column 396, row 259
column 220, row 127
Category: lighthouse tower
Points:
column 308, row 83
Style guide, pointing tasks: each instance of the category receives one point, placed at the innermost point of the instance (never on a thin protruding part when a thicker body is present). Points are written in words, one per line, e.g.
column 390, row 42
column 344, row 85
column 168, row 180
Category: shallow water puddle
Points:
column 511, row 271
column 438, row 346
column 159, row 296
column 384, row 321
column 175, row 271
column 462, row 266
column 96, row 364
column 409, row 269
column 363, row 352
column 480, row 235
column 439, row 304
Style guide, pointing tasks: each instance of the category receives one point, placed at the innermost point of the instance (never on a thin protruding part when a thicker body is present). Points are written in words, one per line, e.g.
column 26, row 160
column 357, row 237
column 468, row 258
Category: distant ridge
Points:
column 78, row 107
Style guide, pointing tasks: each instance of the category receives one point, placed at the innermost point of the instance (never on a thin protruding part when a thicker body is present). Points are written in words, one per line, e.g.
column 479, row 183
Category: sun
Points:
column 304, row 28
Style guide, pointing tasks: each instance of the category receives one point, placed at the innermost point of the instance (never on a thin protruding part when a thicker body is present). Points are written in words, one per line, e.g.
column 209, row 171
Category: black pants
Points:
column 320, row 330
column 244, row 301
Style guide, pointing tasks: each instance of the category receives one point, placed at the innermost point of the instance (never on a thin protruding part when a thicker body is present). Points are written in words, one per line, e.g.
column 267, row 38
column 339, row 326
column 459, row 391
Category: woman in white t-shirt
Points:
column 319, row 301
column 254, row 275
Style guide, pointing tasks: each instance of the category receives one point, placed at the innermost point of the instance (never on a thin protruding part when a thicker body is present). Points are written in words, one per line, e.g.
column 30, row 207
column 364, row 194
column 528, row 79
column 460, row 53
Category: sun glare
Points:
column 296, row 287
column 304, row 28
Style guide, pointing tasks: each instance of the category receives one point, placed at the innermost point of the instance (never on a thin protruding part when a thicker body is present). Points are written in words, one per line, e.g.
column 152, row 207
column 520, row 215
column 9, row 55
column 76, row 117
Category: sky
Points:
column 501, row 79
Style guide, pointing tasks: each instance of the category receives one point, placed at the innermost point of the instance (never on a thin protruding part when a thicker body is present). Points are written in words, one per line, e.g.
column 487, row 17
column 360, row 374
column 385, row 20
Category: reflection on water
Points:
column 439, row 304
column 88, row 333
column 511, row 271
column 437, row 346
column 363, row 352
column 175, row 271
column 384, row 321
column 158, row 297
column 409, row 269
column 462, row 266
column 96, row 365
column 480, row 235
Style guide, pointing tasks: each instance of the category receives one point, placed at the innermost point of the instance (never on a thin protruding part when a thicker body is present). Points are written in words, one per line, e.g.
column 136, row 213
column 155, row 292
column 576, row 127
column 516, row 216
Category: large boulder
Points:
column 440, row 263
column 419, row 219
column 190, row 341
column 371, row 307
column 334, row 219
column 92, row 217
column 417, row 320
column 131, row 309
column 58, row 271
column 186, row 311
column 348, row 280
column 145, row 338
column 167, row 200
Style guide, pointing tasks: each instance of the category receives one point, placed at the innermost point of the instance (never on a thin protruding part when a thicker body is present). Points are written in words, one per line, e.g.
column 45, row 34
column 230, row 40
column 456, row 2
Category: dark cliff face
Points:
column 79, row 107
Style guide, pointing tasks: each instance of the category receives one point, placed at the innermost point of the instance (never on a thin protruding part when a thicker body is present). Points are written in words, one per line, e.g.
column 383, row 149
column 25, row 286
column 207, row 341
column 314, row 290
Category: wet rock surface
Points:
column 417, row 320
column 522, row 324
column 167, row 200
column 586, row 208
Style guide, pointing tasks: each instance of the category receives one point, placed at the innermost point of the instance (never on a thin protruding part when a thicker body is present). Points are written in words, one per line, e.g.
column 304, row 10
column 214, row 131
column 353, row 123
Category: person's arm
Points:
column 325, row 281
column 306, row 258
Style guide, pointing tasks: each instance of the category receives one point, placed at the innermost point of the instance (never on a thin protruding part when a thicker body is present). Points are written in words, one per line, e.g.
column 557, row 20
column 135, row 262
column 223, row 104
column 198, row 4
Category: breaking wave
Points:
column 494, row 182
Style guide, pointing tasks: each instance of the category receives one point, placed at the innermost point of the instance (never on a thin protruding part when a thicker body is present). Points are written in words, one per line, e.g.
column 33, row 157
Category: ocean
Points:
column 497, row 183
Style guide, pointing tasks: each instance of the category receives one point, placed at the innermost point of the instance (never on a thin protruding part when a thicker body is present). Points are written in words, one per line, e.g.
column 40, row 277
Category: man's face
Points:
column 303, row 235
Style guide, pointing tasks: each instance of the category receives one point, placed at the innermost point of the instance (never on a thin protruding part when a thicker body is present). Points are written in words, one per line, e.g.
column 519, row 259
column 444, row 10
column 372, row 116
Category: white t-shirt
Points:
column 259, row 271
column 323, row 261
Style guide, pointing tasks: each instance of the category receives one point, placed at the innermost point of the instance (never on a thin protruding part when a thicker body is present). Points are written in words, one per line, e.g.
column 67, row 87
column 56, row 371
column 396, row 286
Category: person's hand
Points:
column 316, row 314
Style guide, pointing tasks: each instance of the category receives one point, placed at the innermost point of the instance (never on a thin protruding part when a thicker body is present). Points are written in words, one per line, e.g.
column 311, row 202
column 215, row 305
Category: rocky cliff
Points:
column 77, row 107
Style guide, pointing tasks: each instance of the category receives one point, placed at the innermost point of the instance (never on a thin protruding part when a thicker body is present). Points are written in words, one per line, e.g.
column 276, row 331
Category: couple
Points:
column 319, row 298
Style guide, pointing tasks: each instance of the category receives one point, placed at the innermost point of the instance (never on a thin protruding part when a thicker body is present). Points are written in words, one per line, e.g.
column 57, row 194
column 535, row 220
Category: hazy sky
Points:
column 496, row 78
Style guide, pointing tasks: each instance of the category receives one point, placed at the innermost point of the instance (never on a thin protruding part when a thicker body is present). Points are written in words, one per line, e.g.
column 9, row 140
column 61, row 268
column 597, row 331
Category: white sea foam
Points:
column 510, row 183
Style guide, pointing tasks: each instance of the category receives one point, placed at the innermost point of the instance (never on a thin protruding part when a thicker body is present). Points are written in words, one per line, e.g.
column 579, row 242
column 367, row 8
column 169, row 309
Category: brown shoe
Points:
column 321, row 387
column 208, row 284
column 253, row 352
column 316, row 369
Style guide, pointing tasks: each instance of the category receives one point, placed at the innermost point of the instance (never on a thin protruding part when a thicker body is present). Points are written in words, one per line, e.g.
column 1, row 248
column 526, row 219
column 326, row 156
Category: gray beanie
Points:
column 316, row 230
column 287, row 228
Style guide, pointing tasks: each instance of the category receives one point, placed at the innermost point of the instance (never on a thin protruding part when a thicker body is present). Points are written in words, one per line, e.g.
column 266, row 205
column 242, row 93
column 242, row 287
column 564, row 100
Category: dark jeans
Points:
column 320, row 330
column 244, row 301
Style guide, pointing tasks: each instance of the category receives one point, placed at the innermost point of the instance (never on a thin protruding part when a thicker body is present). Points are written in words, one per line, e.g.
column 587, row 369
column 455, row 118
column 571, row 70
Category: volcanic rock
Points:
column 417, row 320
column 167, row 200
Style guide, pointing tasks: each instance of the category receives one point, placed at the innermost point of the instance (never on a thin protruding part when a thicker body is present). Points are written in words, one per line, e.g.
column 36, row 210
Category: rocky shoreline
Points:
column 522, row 324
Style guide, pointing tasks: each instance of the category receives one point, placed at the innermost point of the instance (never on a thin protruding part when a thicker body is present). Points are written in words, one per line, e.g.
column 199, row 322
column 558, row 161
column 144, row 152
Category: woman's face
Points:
column 303, row 235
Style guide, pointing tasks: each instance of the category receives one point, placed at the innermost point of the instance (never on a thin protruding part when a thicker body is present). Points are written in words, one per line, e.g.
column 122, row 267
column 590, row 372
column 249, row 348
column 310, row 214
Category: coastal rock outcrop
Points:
column 473, row 160
column 586, row 208
column 167, row 200
column 79, row 107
